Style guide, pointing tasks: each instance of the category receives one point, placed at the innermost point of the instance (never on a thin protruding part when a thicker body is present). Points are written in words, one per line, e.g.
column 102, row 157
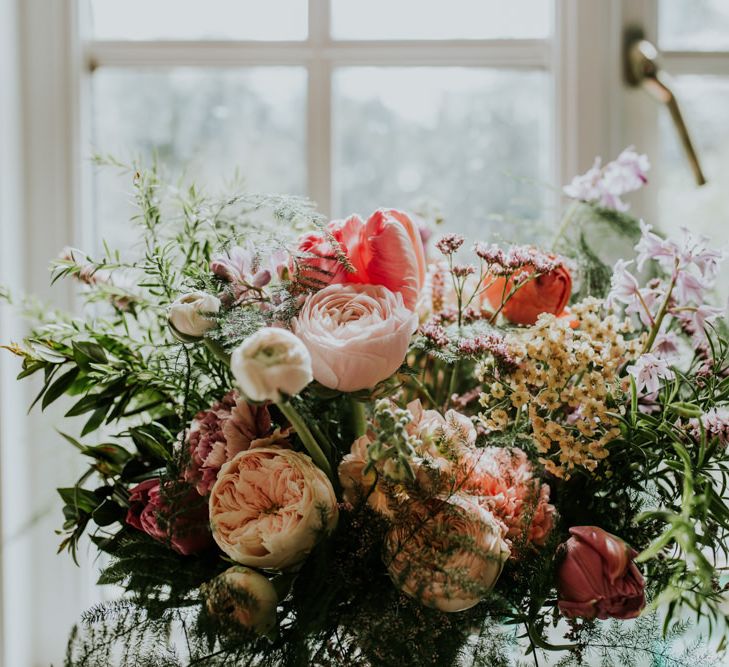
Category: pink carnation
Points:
column 503, row 482
column 218, row 434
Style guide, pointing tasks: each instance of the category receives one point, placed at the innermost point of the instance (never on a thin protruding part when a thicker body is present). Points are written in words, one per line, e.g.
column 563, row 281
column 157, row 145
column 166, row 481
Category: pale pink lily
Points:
column 666, row 345
column 648, row 370
column 624, row 287
column 605, row 185
column 652, row 246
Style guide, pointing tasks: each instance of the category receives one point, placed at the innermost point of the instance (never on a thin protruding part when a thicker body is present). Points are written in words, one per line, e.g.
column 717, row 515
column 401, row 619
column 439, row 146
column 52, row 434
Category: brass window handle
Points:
column 642, row 69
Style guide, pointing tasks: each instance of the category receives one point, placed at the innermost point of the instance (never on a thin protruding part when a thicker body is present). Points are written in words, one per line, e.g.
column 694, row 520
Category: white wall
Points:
column 43, row 593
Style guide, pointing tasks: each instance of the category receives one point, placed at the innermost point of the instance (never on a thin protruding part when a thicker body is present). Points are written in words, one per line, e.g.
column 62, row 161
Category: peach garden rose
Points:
column 357, row 335
column 448, row 555
column 269, row 507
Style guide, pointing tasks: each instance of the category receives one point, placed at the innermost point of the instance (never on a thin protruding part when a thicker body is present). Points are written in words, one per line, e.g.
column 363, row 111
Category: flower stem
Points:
column 299, row 424
column 359, row 417
column 452, row 383
column 217, row 349
column 566, row 222
column 661, row 314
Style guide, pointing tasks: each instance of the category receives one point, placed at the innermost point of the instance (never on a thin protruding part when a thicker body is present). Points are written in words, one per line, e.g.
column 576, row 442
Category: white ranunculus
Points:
column 270, row 363
column 190, row 315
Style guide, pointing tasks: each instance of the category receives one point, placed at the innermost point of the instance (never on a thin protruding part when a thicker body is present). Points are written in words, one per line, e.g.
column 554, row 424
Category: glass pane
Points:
column 705, row 209
column 693, row 25
column 472, row 142
column 436, row 19
column 198, row 19
column 207, row 122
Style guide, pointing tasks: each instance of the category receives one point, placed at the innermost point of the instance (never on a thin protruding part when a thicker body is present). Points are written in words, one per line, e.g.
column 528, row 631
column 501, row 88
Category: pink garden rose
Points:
column 360, row 486
column 270, row 506
column 502, row 480
column 216, row 435
column 357, row 335
column 177, row 516
column 386, row 250
column 448, row 555
column 598, row 578
column 443, row 445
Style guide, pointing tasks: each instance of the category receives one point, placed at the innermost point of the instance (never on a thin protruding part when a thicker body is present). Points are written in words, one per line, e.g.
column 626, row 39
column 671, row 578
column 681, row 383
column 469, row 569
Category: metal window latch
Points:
column 642, row 69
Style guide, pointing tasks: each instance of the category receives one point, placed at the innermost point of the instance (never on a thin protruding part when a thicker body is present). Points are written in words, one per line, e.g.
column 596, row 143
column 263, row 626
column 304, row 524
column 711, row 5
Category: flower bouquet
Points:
column 345, row 442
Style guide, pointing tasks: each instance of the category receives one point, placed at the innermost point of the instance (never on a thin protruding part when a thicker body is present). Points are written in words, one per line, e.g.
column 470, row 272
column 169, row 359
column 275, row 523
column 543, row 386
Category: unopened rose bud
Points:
column 243, row 597
column 190, row 315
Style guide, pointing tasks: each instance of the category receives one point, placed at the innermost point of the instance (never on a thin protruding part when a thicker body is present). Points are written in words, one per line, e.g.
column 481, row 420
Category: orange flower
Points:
column 547, row 293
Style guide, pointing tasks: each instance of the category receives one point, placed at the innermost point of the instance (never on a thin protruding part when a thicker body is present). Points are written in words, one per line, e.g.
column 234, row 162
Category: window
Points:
column 352, row 103
column 694, row 37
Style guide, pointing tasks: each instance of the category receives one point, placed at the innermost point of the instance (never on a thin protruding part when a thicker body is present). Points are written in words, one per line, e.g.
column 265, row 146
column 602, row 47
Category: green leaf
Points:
column 108, row 452
column 149, row 445
column 96, row 419
column 87, row 403
column 655, row 547
column 685, row 409
column 50, row 371
column 107, row 513
column 81, row 499
column 47, row 354
column 59, row 387
column 72, row 440
column 29, row 368
column 85, row 353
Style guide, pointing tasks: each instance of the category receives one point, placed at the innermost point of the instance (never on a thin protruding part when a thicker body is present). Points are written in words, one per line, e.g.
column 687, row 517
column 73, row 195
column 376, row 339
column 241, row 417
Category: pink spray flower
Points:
column 503, row 481
column 218, row 434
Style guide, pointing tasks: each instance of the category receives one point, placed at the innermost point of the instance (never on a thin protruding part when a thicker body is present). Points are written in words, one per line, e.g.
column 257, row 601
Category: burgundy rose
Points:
column 177, row 516
column 598, row 577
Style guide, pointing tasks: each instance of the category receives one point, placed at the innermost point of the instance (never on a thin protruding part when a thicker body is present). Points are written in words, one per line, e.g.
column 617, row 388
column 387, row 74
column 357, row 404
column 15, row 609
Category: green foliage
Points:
column 638, row 642
column 137, row 388
column 615, row 232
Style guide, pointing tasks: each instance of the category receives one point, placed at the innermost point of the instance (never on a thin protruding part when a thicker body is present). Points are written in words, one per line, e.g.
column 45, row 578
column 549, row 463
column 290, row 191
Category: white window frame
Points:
column 593, row 114
column 320, row 55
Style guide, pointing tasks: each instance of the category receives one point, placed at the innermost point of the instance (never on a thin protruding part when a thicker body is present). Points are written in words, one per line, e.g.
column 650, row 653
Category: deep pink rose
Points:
column 598, row 577
column 386, row 250
column 178, row 517
column 216, row 435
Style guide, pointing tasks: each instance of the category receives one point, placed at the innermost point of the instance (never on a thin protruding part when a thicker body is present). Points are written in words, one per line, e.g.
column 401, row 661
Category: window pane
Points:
column 206, row 122
column 694, row 25
column 474, row 142
column 436, row 19
column 705, row 209
column 198, row 19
